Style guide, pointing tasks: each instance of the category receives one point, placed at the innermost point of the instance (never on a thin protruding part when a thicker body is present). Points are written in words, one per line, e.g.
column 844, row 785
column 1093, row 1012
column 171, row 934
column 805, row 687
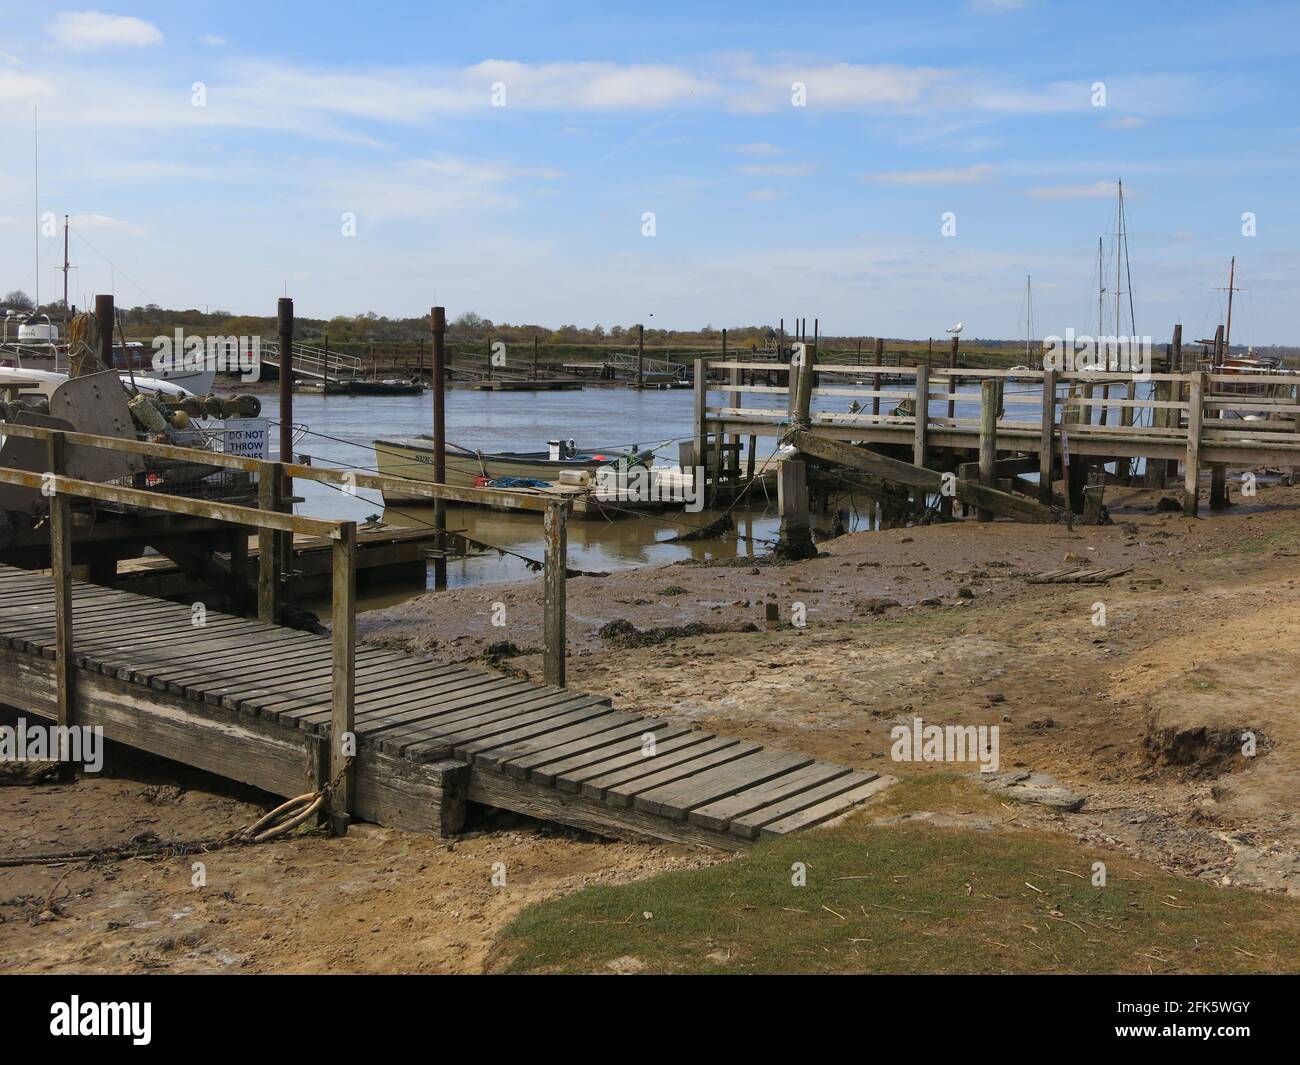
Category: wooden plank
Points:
column 598, row 730
column 545, row 769
column 543, row 715
column 823, row 811
column 498, row 736
column 707, row 756
column 568, row 776
column 719, row 814
column 678, row 799
column 748, row 826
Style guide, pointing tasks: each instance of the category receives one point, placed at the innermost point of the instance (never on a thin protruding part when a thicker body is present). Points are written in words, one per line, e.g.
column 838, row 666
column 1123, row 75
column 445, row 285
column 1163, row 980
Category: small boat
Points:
column 389, row 386
column 412, row 457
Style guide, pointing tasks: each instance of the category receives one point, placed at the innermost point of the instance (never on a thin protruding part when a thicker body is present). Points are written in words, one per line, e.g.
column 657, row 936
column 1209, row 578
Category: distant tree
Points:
column 18, row 300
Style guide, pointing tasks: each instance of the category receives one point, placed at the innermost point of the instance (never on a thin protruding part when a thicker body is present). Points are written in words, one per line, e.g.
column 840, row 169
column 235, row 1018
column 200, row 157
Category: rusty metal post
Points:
column 438, row 319
column 640, row 356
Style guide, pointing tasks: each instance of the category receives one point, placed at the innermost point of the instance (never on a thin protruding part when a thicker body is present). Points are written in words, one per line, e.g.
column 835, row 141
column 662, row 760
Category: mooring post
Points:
column 795, row 536
column 921, row 405
column 1176, row 391
column 699, row 425
column 269, row 571
column 343, row 619
column 1192, row 463
column 104, row 319
column 640, row 356
column 1218, row 486
column 952, row 381
column 877, row 377
column 555, row 568
column 733, row 400
column 988, row 440
column 1046, row 437
column 284, row 488
column 438, row 324
column 61, row 572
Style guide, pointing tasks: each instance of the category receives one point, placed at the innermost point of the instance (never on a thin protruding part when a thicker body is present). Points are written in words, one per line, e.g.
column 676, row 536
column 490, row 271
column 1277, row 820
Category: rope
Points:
column 271, row 826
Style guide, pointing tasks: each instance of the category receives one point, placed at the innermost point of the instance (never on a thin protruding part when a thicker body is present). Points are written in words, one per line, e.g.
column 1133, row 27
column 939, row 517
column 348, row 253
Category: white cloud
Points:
column 213, row 40
column 1127, row 122
column 19, row 88
column 757, row 148
column 90, row 30
column 765, row 194
column 588, row 85
column 965, row 175
column 1097, row 190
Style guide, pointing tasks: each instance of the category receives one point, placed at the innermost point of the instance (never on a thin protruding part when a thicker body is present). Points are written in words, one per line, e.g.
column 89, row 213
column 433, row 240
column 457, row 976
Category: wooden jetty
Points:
column 1063, row 435
column 399, row 739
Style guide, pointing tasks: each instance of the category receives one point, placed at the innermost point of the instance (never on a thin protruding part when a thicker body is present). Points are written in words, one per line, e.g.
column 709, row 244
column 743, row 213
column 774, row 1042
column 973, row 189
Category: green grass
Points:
column 907, row 899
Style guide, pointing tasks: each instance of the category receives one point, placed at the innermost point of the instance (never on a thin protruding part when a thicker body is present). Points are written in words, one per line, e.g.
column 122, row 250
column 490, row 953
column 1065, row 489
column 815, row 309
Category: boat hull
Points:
column 415, row 461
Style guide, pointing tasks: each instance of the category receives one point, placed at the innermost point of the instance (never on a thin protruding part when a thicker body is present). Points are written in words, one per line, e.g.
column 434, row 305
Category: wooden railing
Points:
column 1091, row 410
column 271, row 522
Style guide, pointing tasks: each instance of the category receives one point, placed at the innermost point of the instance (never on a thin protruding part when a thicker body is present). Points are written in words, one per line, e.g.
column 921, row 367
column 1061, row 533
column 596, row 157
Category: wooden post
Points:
column 268, row 554
column 733, row 400
column 699, row 427
column 877, row 377
column 640, row 356
column 988, row 440
column 1192, row 464
column 922, row 410
column 553, row 602
column 238, row 598
column 61, row 572
column 802, row 413
column 952, row 365
column 795, row 536
column 438, row 330
column 1174, row 417
column 343, row 618
column 1046, row 437
column 1218, row 486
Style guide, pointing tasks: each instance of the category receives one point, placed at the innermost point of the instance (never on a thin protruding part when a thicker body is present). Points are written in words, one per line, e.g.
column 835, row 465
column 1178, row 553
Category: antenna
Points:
column 36, row 193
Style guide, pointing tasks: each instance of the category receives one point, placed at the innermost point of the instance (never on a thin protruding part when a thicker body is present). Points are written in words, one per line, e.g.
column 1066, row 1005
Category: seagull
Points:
column 954, row 330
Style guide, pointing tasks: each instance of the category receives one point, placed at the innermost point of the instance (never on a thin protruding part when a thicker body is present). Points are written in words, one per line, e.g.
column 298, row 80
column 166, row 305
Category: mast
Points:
column 1029, row 318
column 1101, row 291
column 1232, row 274
column 65, row 266
column 36, row 194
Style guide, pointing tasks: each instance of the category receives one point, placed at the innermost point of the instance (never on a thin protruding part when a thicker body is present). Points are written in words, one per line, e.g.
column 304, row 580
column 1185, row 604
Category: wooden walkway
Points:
column 252, row 702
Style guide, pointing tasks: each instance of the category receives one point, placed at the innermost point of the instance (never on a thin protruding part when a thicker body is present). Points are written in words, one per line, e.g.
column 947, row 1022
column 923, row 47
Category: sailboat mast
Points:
column 1101, row 290
column 1119, row 234
column 1029, row 318
column 1232, row 273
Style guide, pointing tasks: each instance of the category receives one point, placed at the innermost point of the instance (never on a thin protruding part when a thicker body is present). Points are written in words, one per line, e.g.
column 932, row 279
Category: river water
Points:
column 339, row 431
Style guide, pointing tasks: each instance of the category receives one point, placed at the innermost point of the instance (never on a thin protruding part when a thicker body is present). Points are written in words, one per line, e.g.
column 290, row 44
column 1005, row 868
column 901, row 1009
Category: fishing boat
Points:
column 412, row 457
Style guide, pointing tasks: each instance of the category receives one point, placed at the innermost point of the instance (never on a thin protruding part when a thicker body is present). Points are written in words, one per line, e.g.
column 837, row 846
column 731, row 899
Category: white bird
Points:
column 954, row 330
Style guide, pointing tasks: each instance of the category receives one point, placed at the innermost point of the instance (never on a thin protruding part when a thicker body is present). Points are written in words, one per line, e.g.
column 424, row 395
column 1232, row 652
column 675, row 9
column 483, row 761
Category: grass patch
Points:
column 908, row 899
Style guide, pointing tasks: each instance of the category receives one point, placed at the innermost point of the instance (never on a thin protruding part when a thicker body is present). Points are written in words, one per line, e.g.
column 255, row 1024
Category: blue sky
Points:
column 533, row 211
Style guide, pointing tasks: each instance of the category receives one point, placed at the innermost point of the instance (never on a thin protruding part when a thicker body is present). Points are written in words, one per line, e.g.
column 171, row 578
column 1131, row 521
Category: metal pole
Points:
column 640, row 356
column 439, row 326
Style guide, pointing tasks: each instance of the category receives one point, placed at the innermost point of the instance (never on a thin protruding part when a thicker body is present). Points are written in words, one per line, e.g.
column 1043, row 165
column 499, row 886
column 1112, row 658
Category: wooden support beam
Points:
column 1046, row 438
column 343, row 618
column 988, row 440
column 921, row 401
column 1006, row 504
column 1218, row 486
column 269, row 574
column 699, row 422
column 795, row 536
column 554, row 603
column 61, row 568
column 1192, row 464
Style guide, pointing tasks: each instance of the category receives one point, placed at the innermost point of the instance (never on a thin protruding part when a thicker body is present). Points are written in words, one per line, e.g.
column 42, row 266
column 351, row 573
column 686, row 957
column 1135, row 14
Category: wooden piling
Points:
column 61, row 571
column 269, row 574
column 343, row 618
column 554, row 593
column 640, row 356
column 922, row 410
column 1046, row 437
column 988, row 441
column 795, row 538
column 438, row 328
column 1192, row 464
column 878, row 359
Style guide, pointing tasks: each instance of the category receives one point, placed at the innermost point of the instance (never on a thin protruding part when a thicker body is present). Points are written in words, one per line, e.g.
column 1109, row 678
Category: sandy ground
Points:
column 1143, row 716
